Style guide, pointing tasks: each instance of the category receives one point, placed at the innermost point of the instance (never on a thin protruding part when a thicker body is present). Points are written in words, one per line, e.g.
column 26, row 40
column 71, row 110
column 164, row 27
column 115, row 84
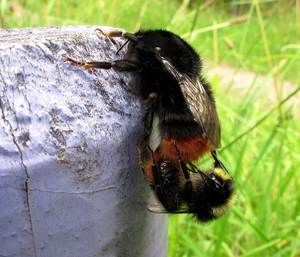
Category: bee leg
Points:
column 118, row 33
column 161, row 195
column 149, row 120
column 159, row 188
column 122, row 34
column 214, row 155
column 182, row 164
column 155, row 170
column 119, row 65
column 100, row 65
column 218, row 163
column 130, row 37
column 140, row 159
column 188, row 188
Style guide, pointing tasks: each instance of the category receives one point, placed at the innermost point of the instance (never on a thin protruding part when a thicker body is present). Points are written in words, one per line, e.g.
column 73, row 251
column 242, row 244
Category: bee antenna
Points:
column 204, row 176
column 122, row 46
column 218, row 163
column 214, row 155
column 193, row 168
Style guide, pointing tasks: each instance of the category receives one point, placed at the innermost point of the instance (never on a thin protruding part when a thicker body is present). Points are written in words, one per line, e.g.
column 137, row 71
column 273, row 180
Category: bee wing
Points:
column 201, row 106
column 159, row 208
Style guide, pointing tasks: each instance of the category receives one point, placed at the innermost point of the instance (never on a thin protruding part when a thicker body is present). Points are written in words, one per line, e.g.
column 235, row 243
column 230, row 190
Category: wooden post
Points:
column 70, row 184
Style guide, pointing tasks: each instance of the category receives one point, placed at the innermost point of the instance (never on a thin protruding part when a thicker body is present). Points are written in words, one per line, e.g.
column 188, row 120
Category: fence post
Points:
column 70, row 184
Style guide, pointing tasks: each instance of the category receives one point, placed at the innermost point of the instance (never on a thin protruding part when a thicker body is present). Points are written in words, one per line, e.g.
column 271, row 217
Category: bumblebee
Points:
column 183, row 188
column 181, row 123
column 179, row 104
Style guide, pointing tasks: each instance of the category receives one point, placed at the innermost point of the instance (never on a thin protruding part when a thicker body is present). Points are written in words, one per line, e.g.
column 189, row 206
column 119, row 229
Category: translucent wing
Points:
column 201, row 106
column 159, row 208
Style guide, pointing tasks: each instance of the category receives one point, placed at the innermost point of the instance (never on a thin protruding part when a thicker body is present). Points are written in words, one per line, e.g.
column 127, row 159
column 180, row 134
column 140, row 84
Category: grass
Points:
column 248, row 48
column 261, row 145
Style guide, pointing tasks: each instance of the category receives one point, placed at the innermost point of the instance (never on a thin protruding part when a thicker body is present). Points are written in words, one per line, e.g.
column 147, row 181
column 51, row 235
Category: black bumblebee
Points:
column 179, row 104
column 180, row 111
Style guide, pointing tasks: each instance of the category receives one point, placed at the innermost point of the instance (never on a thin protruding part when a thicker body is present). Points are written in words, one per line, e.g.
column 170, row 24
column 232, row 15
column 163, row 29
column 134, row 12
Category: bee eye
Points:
column 216, row 182
column 213, row 178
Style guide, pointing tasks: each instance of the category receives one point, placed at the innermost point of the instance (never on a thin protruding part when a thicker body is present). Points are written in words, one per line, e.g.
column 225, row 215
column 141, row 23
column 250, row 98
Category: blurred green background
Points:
column 251, row 54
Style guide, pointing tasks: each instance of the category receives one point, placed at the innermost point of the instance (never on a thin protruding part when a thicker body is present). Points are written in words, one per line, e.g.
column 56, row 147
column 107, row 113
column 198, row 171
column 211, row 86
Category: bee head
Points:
column 212, row 194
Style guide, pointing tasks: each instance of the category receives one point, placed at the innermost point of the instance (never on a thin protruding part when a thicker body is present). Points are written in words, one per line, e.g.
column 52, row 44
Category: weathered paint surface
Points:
column 70, row 184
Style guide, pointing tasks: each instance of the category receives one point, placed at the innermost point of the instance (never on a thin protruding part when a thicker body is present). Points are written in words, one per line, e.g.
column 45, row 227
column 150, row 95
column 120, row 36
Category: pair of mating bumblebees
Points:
column 181, row 123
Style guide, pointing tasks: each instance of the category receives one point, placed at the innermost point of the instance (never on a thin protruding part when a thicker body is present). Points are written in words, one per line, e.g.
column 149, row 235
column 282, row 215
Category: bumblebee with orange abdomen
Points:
column 180, row 121
column 179, row 104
